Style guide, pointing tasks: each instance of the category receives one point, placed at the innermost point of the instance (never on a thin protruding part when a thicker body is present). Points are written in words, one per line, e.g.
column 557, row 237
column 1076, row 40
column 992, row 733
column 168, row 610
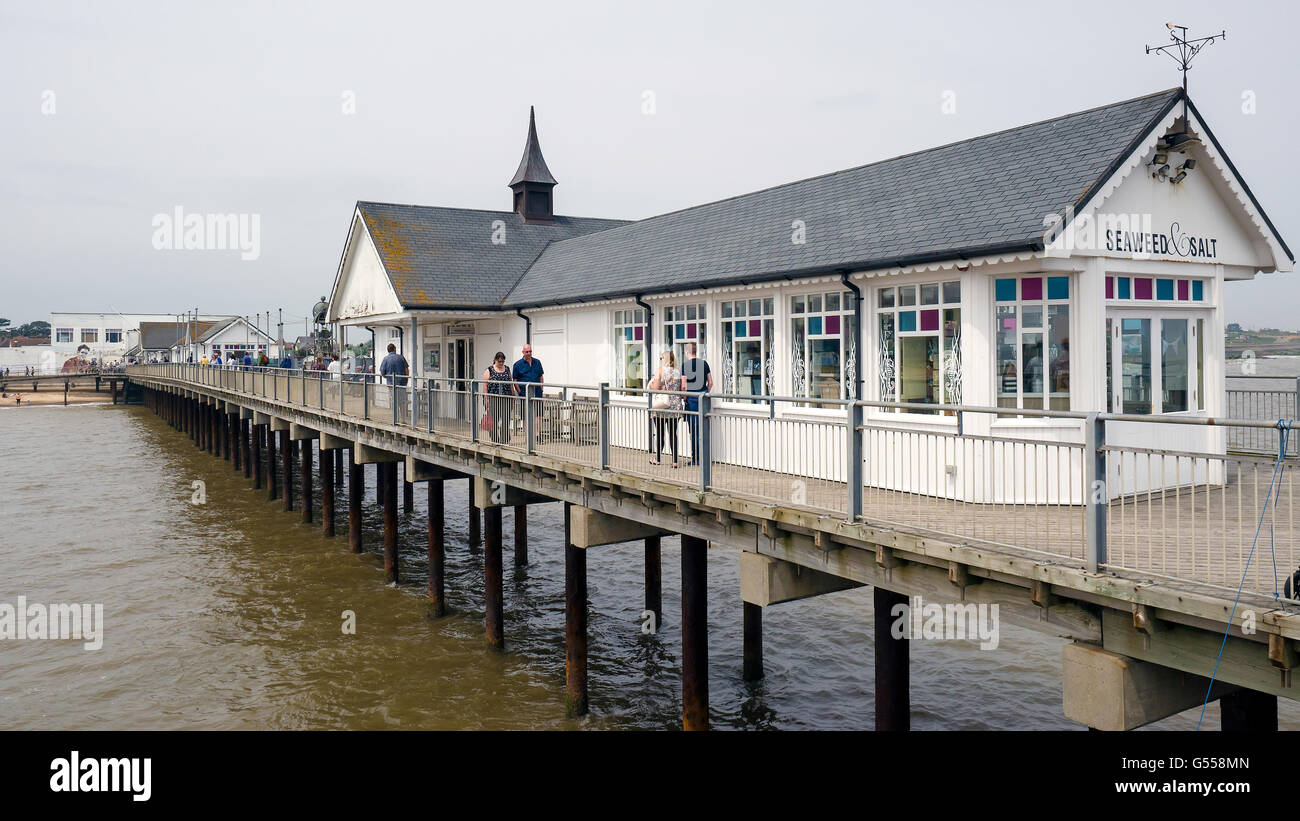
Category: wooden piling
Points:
column 257, row 457
column 475, row 535
column 356, row 490
column 437, row 550
column 226, row 423
column 306, row 481
column 327, row 494
column 695, row 634
column 493, row 587
column 338, row 467
column 389, row 472
column 893, row 698
column 286, row 471
column 654, row 594
column 236, row 442
column 272, row 467
column 408, row 492
column 245, row 435
column 752, row 668
column 521, row 535
column 575, row 624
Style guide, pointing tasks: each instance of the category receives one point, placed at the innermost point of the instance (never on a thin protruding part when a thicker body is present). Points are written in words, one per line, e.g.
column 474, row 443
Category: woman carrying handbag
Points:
column 500, row 390
column 667, row 409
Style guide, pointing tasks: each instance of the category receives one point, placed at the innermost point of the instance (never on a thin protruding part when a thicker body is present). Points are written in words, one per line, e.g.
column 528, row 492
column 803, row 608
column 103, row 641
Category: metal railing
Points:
column 1268, row 398
column 1159, row 496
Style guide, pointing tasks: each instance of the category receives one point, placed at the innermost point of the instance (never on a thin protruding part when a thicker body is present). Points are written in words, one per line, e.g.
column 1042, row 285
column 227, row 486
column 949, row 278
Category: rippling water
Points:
column 228, row 615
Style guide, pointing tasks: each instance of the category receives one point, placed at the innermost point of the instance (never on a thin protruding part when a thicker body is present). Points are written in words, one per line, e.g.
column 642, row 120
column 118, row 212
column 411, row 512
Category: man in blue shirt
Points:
column 394, row 366
column 529, row 371
column 699, row 379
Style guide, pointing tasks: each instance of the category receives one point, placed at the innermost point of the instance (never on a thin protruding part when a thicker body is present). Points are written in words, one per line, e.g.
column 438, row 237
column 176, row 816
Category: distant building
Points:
column 235, row 336
column 104, row 336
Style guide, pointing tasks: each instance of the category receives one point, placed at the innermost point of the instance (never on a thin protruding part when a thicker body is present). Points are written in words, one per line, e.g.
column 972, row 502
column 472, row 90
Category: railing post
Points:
column 529, row 432
column 303, row 393
column 320, row 383
column 602, row 425
column 428, row 389
column 365, row 398
column 1097, row 495
column 706, row 448
column 853, row 451
column 473, row 411
column 392, row 399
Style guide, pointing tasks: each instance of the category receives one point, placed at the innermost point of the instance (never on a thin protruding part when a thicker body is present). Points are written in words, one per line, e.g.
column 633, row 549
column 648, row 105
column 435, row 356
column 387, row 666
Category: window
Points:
column 1158, row 358
column 629, row 348
column 1032, row 316
column 683, row 324
column 1158, row 289
column 824, row 329
column 63, row 335
column 920, row 343
column 113, row 335
column 89, row 334
column 747, row 339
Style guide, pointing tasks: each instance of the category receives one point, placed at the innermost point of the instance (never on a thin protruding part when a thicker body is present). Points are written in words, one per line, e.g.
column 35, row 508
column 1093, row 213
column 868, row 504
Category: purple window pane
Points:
column 1031, row 288
column 690, row 331
column 832, row 324
column 929, row 320
column 1183, row 289
column 755, row 327
column 1142, row 288
column 1110, row 287
column 638, row 332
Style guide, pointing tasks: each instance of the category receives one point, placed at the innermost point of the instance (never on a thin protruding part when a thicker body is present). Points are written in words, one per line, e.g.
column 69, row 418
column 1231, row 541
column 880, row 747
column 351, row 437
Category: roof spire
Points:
column 533, row 182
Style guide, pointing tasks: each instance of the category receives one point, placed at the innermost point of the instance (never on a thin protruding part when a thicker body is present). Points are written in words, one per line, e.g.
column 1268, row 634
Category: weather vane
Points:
column 1183, row 51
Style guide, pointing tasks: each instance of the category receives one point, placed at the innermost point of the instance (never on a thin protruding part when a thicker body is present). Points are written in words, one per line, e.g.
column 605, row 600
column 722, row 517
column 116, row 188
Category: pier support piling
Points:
column 306, row 481
column 893, row 697
column 338, row 467
column 1248, row 711
column 521, row 534
column 389, row 471
column 474, row 522
column 408, row 492
column 227, row 424
column 437, row 550
column 492, row 577
column 654, row 593
column 356, row 490
column 326, row 493
column 753, row 664
column 695, row 634
column 257, row 457
column 246, row 445
column 236, row 442
column 272, row 467
column 575, row 623
column 286, row 471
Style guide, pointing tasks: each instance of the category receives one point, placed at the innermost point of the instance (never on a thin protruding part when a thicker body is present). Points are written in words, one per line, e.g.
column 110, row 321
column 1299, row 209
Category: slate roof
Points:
column 159, row 336
column 983, row 195
column 532, row 166
column 445, row 257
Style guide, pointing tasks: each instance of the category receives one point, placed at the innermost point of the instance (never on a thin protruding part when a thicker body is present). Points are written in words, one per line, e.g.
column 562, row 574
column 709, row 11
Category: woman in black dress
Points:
column 500, row 391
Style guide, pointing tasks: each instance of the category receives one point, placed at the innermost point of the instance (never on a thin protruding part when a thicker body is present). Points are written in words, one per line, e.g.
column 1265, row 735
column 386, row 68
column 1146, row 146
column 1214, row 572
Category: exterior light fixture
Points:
column 1179, row 177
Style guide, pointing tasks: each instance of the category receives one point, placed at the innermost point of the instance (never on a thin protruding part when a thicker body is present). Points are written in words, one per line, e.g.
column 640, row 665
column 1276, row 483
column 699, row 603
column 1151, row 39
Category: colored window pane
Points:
column 681, row 331
column 627, row 333
column 638, row 333
column 930, row 320
column 1058, row 287
column 1182, row 289
column 1031, row 288
column 1005, row 289
column 755, row 327
column 740, row 329
column 1110, row 287
column 815, row 325
column 832, row 324
column 1122, row 284
column 1142, row 288
column 907, row 321
column 1198, row 290
column 690, row 330
column 1164, row 289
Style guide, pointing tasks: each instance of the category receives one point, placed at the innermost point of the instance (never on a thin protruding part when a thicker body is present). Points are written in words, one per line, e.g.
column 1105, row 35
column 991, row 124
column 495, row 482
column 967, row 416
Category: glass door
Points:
column 1154, row 361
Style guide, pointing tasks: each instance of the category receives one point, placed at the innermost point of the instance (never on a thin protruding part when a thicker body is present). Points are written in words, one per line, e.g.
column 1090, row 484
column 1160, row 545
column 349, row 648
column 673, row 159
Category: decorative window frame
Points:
column 628, row 330
column 1012, row 291
column 743, row 325
column 844, row 317
column 913, row 320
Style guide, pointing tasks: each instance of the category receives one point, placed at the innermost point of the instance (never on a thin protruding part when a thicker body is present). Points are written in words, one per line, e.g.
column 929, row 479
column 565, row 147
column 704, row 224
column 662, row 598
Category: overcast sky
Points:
column 237, row 107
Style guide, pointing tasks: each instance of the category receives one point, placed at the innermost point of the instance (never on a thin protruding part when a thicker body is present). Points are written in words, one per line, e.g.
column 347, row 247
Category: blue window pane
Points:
column 1006, row 290
column 1198, row 290
column 907, row 319
column 627, row 333
column 1122, row 287
column 740, row 329
column 1164, row 289
column 1058, row 287
column 681, row 331
column 815, row 325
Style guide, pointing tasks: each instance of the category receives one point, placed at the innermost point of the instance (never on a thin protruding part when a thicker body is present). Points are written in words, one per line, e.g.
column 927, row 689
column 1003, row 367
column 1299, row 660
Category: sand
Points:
column 55, row 397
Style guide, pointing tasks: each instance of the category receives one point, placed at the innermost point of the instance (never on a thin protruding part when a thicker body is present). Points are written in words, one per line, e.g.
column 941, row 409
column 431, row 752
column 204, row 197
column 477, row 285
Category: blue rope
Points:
column 1284, row 431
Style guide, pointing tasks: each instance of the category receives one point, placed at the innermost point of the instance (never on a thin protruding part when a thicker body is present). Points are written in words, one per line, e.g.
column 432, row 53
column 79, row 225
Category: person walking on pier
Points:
column 335, row 369
column 530, row 372
column 500, row 390
column 698, row 379
column 394, row 366
column 667, row 410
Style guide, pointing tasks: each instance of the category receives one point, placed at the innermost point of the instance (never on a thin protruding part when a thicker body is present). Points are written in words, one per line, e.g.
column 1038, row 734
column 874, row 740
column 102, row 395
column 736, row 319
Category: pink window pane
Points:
column 637, row 333
column 1110, row 287
column 930, row 320
column 755, row 327
column 690, row 330
column 1184, row 289
column 832, row 325
column 1142, row 288
column 1031, row 288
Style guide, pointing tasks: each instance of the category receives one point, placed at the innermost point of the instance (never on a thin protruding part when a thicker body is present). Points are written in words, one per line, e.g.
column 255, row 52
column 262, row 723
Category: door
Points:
column 1155, row 361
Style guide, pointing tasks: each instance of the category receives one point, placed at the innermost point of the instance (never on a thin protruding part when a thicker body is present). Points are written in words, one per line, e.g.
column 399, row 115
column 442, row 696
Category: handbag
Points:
column 662, row 402
column 486, row 422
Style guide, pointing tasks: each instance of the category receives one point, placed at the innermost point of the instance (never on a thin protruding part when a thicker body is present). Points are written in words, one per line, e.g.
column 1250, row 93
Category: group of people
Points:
column 504, row 384
column 693, row 378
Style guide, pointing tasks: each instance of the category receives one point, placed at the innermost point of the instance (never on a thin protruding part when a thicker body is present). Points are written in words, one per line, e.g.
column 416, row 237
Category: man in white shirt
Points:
column 334, row 369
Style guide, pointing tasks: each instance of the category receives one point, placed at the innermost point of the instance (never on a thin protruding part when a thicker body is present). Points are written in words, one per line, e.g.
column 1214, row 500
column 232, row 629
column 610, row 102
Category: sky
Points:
column 115, row 114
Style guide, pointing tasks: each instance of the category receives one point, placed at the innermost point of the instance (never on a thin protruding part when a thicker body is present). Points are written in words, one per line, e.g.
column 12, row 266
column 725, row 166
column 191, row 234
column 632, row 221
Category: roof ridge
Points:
column 827, row 174
column 481, row 210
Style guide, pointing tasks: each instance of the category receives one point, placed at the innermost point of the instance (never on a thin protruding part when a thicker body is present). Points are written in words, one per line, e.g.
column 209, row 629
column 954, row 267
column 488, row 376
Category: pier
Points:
column 1132, row 552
